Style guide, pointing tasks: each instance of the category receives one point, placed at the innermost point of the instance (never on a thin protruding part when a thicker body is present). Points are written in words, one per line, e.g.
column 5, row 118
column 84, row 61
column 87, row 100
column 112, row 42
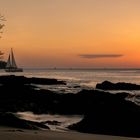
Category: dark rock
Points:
column 11, row 120
column 16, row 97
column 105, row 113
column 110, row 114
column 106, row 85
column 12, row 79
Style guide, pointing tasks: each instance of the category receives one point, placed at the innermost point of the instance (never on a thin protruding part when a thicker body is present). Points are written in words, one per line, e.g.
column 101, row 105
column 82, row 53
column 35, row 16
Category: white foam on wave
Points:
column 65, row 120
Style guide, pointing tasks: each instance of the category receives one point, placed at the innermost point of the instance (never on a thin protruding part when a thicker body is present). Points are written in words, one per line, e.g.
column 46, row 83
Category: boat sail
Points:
column 11, row 64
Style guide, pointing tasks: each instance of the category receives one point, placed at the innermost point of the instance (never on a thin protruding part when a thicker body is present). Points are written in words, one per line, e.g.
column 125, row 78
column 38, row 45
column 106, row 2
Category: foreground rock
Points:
column 112, row 115
column 106, row 85
column 16, row 94
column 105, row 113
column 12, row 79
column 11, row 120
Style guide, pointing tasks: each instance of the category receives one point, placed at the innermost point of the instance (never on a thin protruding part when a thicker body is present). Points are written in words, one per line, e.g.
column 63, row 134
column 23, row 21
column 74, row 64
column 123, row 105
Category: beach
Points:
column 29, row 111
column 69, row 70
column 8, row 133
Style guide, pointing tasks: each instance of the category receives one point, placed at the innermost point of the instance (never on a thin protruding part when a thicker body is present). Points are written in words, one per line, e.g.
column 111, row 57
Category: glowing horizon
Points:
column 72, row 33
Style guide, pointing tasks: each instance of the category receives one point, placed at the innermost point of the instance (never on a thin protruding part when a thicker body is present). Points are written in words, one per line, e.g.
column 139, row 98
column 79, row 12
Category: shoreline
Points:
column 104, row 113
column 9, row 133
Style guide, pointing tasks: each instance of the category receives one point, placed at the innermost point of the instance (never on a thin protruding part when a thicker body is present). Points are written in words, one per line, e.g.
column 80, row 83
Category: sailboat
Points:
column 11, row 64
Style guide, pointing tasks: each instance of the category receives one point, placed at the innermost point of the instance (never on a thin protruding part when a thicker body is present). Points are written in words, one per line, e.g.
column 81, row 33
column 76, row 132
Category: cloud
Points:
column 94, row 56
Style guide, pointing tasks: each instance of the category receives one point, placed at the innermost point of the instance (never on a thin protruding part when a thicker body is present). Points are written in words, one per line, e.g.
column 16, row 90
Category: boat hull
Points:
column 14, row 70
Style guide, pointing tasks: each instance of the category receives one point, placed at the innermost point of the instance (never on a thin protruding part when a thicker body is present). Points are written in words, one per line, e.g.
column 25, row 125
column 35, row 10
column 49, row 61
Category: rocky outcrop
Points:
column 104, row 113
column 110, row 114
column 16, row 95
column 12, row 79
column 106, row 85
column 11, row 120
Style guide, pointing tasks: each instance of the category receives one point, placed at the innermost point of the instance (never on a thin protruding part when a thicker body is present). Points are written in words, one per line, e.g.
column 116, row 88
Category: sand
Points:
column 21, row 134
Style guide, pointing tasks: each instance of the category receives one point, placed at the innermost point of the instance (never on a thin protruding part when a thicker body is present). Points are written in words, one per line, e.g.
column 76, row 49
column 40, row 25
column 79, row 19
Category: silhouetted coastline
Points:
column 106, row 85
column 11, row 120
column 105, row 113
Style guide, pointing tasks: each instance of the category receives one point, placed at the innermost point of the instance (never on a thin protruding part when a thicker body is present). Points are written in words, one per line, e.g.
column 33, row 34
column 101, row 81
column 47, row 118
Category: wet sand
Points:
column 21, row 134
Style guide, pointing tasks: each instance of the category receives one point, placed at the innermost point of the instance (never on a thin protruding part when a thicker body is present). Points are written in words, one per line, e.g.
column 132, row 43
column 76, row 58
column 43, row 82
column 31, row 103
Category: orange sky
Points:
column 63, row 33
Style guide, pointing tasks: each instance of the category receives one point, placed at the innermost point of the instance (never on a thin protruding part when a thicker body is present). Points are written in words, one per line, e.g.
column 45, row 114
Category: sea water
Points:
column 76, row 79
column 62, row 121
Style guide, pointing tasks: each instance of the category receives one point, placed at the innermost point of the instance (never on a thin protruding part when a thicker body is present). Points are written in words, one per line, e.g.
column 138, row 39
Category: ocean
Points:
column 77, row 79
column 81, row 78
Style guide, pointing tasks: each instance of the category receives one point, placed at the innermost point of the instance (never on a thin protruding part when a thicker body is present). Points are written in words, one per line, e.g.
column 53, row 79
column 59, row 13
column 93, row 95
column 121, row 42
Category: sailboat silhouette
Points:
column 11, row 64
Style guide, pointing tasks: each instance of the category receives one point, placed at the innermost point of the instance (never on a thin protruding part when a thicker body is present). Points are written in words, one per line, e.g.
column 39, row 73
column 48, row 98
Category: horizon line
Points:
column 74, row 68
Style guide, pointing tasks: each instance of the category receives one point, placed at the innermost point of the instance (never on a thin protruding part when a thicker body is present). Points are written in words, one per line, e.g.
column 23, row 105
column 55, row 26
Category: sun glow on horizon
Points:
column 52, row 33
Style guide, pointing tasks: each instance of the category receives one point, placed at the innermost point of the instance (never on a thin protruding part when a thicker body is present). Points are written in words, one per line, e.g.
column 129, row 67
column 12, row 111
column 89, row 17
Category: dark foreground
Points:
column 105, row 113
column 21, row 134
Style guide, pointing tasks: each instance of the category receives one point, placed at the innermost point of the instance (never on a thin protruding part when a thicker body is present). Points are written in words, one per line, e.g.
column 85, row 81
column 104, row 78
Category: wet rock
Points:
column 106, row 85
column 110, row 114
column 11, row 120
column 12, row 79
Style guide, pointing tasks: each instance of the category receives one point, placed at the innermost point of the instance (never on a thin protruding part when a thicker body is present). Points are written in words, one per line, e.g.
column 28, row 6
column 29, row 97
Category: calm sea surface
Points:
column 83, row 78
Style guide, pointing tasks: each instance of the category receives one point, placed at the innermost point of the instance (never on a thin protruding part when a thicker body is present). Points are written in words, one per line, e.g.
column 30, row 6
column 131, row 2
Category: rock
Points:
column 110, row 114
column 105, row 113
column 16, row 97
column 12, row 79
column 106, row 85
column 11, row 120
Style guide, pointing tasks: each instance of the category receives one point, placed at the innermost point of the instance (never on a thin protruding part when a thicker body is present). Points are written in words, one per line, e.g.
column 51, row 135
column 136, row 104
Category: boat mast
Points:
column 13, row 62
column 8, row 65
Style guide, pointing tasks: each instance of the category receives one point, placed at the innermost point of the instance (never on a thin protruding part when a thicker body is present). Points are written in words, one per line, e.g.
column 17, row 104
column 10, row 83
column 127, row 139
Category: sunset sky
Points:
column 72, row 33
